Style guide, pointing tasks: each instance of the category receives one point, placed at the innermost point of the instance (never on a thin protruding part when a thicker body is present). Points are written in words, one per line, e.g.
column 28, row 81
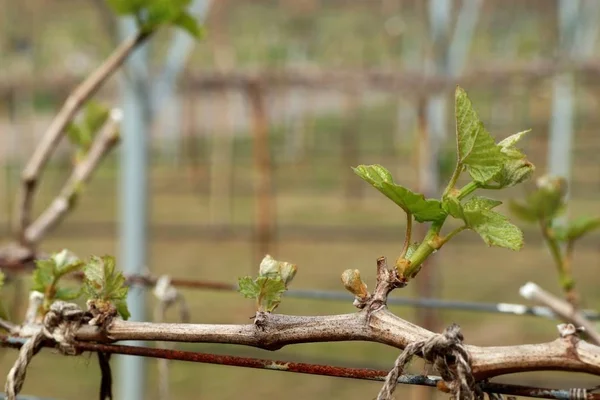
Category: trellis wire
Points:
column 329, row 295
column 498, row 308
column 303, row 368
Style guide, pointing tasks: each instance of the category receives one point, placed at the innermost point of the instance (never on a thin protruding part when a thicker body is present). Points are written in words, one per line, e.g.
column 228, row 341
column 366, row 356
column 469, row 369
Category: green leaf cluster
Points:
column 105, row 285
column 47, row 274
column 272, row 281
column 490, row 165
column 150, row 14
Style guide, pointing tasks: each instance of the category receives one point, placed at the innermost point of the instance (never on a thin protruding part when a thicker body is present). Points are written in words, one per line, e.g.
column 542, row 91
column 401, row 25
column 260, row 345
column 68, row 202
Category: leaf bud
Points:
column 353, row 283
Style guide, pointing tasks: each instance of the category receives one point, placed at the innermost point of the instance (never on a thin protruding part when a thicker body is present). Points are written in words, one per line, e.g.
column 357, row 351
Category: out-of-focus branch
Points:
column 52, row 137
column 105, row 140
column 561, row 308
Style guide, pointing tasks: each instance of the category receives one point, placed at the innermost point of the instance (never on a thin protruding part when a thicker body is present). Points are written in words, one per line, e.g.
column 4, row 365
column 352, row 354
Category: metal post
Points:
column 577, row 36
column 134, row 205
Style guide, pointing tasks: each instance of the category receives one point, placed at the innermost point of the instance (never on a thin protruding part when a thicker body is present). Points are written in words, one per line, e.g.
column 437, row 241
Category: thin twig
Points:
column 564, row 310
column 52, row 137
column 105, row 140
column 303, row 368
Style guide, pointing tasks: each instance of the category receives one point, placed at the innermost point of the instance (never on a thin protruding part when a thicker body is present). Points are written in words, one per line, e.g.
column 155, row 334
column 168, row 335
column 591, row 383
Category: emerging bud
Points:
column 287, row 271
column 272, row 268
column 64, row 258
column 353, row 283
column 268, row 267
column 552, row 184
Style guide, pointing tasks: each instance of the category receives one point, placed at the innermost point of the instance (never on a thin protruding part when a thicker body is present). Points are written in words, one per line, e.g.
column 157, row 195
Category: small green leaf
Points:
column 476, row 147
column 266, row 290
column 121, row 306
column 248, row 288
column 271, row 290
column 577, row 228
column 517, row 168
column 189, row 24
column 411, row 202
column 161, row 12
column 66, row 294
column 1, row 279
column 102, row 280
column 481, row 203
column 511, row 141
column 43, row 275
column 495, row 229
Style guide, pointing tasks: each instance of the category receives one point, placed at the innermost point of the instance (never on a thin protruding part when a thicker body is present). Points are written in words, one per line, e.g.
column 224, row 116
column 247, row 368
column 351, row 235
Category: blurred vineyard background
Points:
column 230, row 181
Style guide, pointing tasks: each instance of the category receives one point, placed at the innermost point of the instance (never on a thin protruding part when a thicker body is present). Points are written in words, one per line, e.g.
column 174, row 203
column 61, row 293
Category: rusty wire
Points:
column 302, row 368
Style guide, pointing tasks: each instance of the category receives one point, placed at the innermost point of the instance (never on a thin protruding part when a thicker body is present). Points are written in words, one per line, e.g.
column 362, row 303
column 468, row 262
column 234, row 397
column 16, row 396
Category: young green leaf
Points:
column 271, row 290
column 577, row 228
column 481, row 203
column 43, row 275
column 510, row 142
column 494, row 228
column 103, row 283
column 248, row 288
column 121, row 306
column 189, row 24
column 267, row 291
column 517, row 168
column 476, row 147
column 411, row 202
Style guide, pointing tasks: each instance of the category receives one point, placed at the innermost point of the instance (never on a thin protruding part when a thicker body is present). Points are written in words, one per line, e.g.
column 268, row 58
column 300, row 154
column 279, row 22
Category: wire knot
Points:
column 449, row 358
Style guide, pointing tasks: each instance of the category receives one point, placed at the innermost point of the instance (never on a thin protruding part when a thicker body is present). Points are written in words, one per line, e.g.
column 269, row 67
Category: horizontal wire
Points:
column 303, row 368
column 495, row 308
